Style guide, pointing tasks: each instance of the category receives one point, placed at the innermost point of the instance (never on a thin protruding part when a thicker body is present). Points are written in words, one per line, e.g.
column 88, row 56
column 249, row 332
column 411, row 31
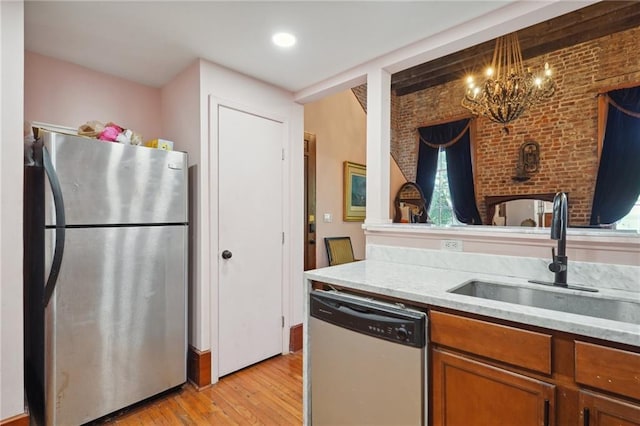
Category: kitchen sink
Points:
column 557, row 299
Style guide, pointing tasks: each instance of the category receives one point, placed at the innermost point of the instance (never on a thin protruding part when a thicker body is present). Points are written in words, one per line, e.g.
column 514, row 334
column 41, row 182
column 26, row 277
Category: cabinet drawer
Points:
column 613, row 370
column 522, row 348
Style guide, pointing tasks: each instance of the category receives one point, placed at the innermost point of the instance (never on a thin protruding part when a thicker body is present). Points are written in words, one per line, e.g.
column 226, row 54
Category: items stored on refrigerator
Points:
column 110, row 132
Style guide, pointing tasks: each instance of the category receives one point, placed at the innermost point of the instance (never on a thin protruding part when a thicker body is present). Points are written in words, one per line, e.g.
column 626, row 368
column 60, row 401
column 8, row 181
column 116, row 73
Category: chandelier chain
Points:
column 508, row 89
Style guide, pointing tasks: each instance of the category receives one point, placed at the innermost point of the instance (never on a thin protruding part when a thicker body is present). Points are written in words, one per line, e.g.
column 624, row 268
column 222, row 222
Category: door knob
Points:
column 226, row 254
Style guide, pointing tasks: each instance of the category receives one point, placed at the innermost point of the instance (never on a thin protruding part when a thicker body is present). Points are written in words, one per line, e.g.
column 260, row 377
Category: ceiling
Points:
column 150, row 42
column 585, row 24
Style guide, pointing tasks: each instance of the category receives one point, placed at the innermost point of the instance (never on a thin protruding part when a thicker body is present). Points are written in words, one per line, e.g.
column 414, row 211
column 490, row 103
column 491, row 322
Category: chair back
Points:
column 339, row 250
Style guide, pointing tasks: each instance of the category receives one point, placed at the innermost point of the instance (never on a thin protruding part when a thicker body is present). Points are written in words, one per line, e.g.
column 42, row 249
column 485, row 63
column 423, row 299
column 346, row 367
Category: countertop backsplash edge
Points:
column 588, row 274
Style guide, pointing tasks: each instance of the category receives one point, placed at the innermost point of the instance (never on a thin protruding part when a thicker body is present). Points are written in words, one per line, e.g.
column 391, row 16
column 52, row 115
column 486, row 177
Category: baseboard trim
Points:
column 19, row 420
column 295, row 338
column 199, row 367
column 199, row 362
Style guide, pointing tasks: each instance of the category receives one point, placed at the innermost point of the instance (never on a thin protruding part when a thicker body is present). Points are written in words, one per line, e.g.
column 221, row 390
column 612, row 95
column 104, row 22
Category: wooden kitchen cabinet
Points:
column 600, row 410
column 470, row 393
column 486, row 372
column 610, row 370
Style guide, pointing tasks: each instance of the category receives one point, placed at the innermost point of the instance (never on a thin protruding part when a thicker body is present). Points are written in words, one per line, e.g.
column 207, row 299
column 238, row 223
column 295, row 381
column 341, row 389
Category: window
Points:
column 441, row 208
column 632, row 219
column 618, row 181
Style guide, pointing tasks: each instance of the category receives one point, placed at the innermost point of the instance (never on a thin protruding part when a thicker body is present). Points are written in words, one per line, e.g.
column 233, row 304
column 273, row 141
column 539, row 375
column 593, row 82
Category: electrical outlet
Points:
column 451, row 245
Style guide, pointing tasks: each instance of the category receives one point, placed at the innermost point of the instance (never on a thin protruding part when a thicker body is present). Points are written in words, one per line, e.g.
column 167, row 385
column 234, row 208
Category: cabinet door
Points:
column 469, row 393
column 599, row 410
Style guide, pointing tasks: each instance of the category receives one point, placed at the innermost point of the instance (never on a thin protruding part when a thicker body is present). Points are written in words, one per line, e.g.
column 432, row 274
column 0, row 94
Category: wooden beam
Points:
column 590, row 29
column 586, row 24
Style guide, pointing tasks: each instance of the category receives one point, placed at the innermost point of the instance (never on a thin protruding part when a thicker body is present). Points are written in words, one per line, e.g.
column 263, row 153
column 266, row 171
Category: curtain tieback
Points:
column 624, row 110
column 451, row 142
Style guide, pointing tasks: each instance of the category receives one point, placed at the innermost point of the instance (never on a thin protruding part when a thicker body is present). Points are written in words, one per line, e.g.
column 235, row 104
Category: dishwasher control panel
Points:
column 370, row 317
column 403, row 332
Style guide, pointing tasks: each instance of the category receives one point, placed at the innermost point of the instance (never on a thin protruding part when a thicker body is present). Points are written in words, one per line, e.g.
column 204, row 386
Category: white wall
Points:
column 59, row 92
column 11, row 154
column 220, row 85
column 340, row 126
column 224, row 85
column 181, row 124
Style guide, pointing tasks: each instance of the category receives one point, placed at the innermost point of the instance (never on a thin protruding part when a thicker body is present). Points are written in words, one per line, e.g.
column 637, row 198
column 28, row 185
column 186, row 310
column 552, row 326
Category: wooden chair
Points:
column 339, row 250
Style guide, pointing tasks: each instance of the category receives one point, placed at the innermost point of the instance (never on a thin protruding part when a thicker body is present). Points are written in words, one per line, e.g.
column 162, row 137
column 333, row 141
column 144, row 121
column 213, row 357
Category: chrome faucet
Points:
column 559, row 220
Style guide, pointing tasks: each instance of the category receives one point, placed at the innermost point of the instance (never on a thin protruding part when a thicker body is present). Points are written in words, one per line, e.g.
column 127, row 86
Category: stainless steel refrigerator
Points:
column 105, row 276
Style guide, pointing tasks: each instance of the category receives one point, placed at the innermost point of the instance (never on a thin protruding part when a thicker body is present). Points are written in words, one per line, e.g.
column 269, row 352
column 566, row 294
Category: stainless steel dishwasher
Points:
column 368, row 362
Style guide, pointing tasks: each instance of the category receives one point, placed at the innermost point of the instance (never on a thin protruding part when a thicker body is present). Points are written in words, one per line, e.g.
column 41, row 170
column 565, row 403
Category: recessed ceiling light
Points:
column 283, row 39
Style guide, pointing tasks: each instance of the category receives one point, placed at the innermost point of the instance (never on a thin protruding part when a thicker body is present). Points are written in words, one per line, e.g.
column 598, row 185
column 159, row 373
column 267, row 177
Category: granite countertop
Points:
column 429, row 285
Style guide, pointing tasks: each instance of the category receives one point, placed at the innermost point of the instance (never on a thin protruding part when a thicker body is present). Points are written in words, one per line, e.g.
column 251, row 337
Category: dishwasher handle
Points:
column 358, row 312
column 375, row 319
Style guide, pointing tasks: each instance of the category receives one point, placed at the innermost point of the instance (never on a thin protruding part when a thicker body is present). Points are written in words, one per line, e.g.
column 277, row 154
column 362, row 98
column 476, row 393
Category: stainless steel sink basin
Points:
column 612, row 309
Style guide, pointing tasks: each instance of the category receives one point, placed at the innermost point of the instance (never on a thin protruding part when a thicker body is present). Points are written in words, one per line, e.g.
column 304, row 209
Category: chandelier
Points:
column 507, row 90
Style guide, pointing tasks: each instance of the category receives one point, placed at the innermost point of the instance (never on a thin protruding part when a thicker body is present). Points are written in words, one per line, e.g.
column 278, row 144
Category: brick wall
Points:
column 361, row 95
column 565, row 126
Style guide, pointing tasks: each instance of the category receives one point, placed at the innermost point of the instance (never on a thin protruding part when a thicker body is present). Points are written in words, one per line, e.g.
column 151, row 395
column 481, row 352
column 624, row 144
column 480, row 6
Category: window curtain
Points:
column 455, row 138
column 618, row 182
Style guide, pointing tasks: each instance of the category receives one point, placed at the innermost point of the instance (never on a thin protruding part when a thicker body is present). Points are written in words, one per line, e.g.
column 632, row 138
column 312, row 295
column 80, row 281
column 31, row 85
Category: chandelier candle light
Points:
column 507, row 90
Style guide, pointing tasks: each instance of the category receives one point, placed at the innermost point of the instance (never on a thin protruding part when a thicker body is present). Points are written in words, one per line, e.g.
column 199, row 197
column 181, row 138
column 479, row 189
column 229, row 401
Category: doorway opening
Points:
column 309, row 201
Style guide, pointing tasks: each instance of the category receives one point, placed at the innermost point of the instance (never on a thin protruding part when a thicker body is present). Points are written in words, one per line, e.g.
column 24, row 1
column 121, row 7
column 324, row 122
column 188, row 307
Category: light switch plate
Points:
column 327, row 218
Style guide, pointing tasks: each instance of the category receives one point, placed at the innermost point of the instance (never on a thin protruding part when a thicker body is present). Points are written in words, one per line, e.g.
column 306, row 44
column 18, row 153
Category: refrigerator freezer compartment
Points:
column 106, row 183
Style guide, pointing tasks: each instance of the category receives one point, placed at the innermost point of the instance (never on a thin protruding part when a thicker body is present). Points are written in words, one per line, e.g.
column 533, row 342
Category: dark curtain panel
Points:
column 426, row 174
column 618, row 182
column 458, row 149
column 461, row 183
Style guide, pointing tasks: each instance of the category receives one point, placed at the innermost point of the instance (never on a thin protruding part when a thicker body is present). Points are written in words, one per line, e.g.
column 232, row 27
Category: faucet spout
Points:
column 559, row 221
column 560, row 261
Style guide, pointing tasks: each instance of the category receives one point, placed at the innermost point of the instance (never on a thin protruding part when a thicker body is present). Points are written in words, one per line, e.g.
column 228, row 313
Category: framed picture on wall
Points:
column 355, row 192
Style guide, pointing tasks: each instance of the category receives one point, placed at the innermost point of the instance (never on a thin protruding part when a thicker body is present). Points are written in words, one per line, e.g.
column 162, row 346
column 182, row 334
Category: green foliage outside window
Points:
column 441, row 208
column 632, row 219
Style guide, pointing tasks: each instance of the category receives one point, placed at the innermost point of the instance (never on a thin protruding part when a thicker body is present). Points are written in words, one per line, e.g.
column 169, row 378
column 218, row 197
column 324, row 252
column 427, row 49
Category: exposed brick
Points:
column 361, row 95
column 565, row 126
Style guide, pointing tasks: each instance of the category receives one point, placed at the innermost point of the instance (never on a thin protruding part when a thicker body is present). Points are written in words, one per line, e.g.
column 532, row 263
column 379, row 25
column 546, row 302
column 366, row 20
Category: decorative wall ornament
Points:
column 528, row 161
column 508, row 89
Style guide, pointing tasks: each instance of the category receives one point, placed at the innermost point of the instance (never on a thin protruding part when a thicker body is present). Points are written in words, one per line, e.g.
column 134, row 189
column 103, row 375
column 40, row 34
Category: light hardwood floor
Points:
column 268, row 393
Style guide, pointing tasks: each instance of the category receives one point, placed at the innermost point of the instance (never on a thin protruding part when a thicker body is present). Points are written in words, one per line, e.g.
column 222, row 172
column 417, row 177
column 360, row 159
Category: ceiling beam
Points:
column 585, row 24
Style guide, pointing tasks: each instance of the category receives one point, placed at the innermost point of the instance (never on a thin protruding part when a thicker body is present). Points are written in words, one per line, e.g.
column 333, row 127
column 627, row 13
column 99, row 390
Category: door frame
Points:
column 310, row 249
column 214, row 104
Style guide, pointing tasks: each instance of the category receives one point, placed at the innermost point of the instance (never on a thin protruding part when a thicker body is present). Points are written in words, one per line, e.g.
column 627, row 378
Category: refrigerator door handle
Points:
column 59, row 227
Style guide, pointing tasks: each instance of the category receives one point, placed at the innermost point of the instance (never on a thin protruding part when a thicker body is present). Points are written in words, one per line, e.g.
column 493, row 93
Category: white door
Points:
column 250, row 232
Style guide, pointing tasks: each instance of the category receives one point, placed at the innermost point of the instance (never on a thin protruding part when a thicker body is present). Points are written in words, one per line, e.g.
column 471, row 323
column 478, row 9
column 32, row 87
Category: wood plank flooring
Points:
column 268, row 393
